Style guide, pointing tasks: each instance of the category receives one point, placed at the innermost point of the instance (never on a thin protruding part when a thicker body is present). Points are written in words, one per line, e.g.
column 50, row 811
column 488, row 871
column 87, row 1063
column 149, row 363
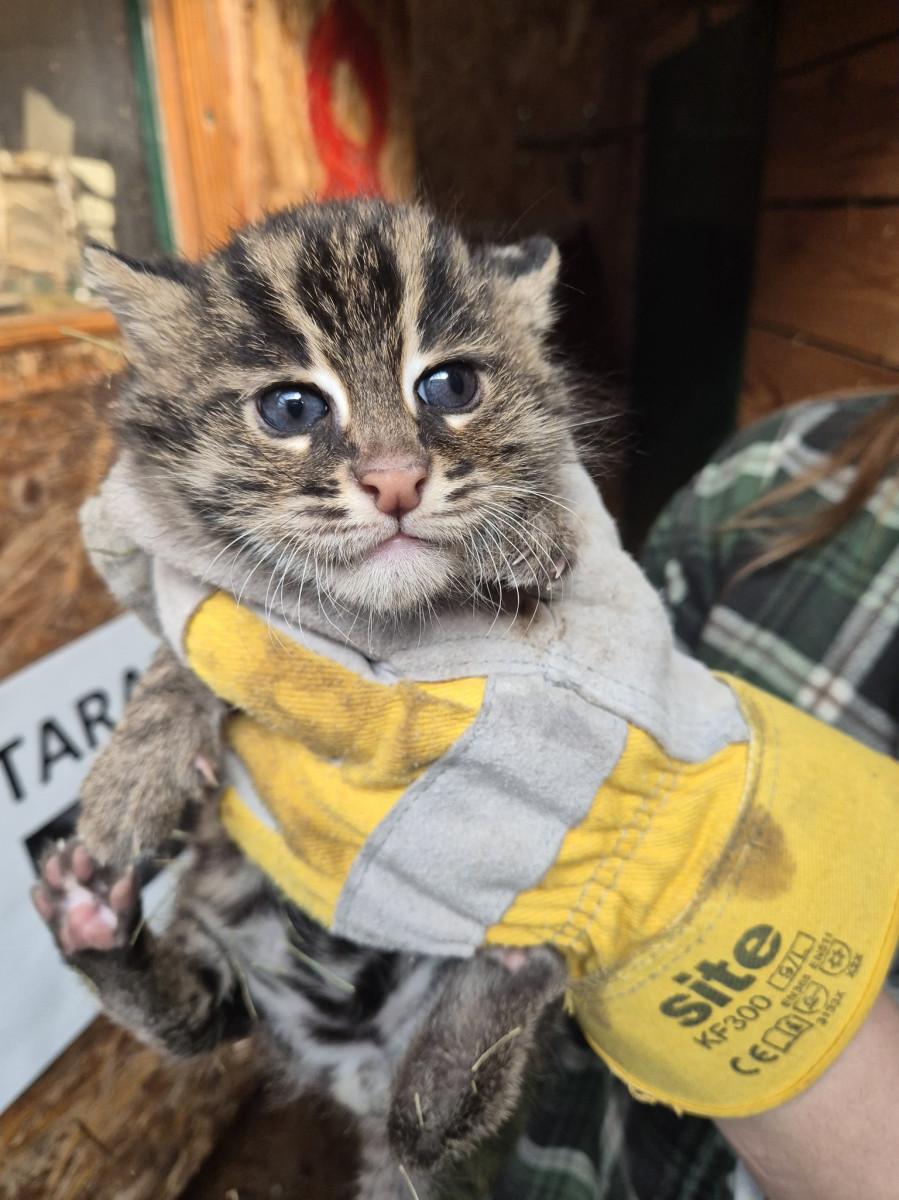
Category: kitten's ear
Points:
column 530, row 270
column 150, row 301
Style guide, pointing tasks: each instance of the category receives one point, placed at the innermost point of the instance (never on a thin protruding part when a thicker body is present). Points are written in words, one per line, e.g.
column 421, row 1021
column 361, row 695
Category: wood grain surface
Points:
column 811, row 29
column 782, row 369
column 35, row 329
column 835, row 275
column 113, row 1120
column 232, row 83
column 55, row 446
column 834, row 131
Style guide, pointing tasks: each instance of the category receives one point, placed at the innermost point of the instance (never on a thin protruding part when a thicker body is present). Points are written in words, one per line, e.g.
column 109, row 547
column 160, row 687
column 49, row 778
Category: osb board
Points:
column 781, row 370
column 811, row 29
column 833, row 274
column 834, row 131
column 55, row 446
column 239, row 97
column 112, row 1120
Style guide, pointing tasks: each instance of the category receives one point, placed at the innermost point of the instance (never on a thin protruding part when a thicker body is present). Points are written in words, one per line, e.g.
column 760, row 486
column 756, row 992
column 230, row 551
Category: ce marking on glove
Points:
column 759, row 1053
column 780, row 1038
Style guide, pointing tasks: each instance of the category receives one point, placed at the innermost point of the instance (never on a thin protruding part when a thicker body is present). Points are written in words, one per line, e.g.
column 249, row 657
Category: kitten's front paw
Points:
column 143, row 781
column 85, row 906
column 544, row 561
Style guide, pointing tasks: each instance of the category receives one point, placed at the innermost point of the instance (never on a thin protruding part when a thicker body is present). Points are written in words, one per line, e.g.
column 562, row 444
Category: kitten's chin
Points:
column 399, row 575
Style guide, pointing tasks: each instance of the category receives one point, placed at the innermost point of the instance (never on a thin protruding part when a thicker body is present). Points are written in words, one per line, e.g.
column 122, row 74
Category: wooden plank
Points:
column 279, row 40
column 833, row 274
column 179, row 171
column 813, row 29
column 113, row 1120
column 48, row 591
column 834, row 131
column 204, row 80
column 780, row 370
column 235, row 106
column 33, row 329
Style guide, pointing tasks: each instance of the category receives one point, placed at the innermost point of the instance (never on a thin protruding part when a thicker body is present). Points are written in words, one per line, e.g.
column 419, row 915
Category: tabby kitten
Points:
column 346, row 415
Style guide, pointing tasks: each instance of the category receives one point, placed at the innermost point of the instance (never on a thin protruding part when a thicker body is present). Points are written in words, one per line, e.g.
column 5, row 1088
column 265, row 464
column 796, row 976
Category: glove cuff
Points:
column 747, row 998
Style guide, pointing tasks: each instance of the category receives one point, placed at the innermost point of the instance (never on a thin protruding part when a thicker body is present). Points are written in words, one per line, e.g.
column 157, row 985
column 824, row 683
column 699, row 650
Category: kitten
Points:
column 347, row 415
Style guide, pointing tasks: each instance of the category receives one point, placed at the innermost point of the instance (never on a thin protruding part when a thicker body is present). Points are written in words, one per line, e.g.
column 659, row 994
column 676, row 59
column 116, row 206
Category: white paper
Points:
column 54, row 716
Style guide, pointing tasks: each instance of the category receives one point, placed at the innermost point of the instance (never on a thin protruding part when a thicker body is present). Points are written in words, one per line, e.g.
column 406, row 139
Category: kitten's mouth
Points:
column 399, row 545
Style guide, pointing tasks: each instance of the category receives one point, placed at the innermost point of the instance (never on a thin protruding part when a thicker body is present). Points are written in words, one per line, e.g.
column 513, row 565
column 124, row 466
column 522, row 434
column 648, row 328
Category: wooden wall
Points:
column 825, row 307
column 265, row 103
column 528, row 118
column 55, row 446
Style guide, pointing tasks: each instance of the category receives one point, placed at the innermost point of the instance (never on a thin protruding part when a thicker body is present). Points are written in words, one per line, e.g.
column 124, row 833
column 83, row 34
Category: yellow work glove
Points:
column 719, row 871
column 726, row 922
column 742, row 918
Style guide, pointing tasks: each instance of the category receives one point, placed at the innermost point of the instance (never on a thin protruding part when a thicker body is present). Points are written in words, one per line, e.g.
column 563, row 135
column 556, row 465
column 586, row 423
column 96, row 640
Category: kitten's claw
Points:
column 206, row 770
column 87, row 907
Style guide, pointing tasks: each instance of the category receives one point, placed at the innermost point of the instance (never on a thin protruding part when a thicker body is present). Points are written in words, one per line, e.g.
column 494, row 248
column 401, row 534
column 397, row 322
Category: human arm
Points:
column 839, row 1139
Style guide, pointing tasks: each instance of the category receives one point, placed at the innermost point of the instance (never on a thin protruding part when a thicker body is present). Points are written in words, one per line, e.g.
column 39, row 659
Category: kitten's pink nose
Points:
column 394, row 489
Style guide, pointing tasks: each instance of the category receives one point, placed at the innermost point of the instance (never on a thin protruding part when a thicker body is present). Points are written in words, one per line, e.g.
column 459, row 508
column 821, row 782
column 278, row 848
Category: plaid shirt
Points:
column 819, row 629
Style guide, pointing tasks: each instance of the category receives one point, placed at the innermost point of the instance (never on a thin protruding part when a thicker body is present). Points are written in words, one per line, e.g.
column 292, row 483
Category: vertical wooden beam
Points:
column 233, row 86
column 165, row 58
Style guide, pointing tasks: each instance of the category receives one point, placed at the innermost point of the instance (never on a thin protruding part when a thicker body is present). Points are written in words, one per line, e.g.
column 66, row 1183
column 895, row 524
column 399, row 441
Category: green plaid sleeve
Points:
column 821, row 630
column 688, row 556
column 818, row 629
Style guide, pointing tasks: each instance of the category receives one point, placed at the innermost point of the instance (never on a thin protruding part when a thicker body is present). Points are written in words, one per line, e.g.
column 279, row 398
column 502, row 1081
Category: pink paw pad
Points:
column 513, row 958
column 87, row 907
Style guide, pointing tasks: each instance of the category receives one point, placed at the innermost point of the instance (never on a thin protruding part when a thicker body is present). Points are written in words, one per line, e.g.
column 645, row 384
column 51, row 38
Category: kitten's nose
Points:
column 394, row 489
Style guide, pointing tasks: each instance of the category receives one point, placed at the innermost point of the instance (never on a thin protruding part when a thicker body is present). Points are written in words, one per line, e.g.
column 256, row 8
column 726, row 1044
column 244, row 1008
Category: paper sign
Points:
column 54, row 716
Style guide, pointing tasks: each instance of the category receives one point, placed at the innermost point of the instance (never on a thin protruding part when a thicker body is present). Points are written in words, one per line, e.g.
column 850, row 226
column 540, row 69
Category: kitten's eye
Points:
column 291, row 408
column 452, row 387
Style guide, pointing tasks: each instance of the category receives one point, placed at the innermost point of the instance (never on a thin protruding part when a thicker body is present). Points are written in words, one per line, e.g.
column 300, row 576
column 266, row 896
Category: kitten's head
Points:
column 349, row 398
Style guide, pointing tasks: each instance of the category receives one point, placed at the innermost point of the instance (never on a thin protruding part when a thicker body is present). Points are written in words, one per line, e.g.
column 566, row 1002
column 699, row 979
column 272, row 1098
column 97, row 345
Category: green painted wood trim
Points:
column 149, row 119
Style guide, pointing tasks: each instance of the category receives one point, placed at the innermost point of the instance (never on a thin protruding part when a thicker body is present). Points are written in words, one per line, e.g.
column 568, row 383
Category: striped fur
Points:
column 358, row 301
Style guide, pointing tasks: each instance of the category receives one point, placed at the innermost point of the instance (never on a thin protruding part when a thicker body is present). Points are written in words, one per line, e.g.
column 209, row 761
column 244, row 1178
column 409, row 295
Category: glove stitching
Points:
column 657, row 797
column 403, row 810
column 660, row 802
column 763, row 807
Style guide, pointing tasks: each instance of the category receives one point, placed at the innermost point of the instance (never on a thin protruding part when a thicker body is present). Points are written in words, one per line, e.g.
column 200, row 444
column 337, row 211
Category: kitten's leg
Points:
column 163, row 755
column 179, row 992
column 462, row 1075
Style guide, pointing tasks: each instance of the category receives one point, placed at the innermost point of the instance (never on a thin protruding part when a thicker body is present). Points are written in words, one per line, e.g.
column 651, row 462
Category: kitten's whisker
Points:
column 537, row 548
column 499, row 604
column 271, row 579
column 526, row 491
column 240, row 537
column 282, row 603
column 300, row 595
column 539, row 551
